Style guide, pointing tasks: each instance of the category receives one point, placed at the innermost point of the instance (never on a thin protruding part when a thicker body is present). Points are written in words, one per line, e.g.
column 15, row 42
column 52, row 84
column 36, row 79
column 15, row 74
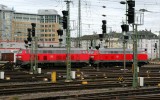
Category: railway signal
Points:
column 131, row 10
column 65, row 19
column 155, row 45
column 33, row 29
column 97, row 47
column 103, row 26
column 26, row 43
column 101, row 37
column 29, row 35
column 60, row 33
column 125, row 28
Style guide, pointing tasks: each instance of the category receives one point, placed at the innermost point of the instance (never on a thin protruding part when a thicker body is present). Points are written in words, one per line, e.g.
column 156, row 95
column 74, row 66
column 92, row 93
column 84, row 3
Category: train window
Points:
column 45, row 51
column 71, row 51
column 39, row 51
column 63, row 51
column 49, row 51
column 90, row 51
column 83, row 52
column 115, row 51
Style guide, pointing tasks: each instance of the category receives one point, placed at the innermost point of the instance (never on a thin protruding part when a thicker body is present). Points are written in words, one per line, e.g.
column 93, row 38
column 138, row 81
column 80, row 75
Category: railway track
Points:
column 97, row 79
column 88, row 94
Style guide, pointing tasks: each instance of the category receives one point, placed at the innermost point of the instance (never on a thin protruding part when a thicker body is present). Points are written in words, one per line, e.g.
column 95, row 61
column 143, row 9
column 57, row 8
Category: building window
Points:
column 42, row 35
column 42, row 30
column 53, row 35
column 53, row 30
column 53, row 39
column 42, row 25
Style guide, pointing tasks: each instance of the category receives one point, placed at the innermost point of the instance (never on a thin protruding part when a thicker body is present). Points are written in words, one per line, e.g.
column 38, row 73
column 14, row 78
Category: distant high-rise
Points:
column 14, row 25
column 6, row 17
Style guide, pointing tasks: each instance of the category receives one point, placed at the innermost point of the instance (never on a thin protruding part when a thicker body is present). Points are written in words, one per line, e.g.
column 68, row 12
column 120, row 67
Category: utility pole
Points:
column 34, row 46
column 124, row 43
column 79, row 24
column 31, row 49
column 124, row 33
column 36, row 56
column 135, row 74
column 68, row 78
column 159, row 44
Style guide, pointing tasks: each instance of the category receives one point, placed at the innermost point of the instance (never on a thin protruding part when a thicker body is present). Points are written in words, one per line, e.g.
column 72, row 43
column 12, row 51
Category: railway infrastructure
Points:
column 90, row 83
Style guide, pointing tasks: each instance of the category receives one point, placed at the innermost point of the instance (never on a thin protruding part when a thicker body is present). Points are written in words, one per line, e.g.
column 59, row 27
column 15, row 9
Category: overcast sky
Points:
column 92, row 12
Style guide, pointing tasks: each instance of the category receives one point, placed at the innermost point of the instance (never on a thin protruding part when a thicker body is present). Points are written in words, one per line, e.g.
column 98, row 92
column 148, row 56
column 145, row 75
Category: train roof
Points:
column 117, row 49
column 59, row 49
column 113, row 49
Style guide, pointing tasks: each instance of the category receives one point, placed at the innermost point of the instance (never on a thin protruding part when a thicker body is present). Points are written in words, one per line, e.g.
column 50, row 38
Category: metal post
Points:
column 135, row 74
column 159, row 44
column 124, row 51
column 124, row 43
column 31, row 59
column 79, row 23
column 68, row 78
column 36, row 56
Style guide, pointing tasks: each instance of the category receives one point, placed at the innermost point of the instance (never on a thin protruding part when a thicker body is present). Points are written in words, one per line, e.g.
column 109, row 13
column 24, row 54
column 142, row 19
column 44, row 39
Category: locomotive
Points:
column 80, row 57
column 53, row 57
column 115, row 57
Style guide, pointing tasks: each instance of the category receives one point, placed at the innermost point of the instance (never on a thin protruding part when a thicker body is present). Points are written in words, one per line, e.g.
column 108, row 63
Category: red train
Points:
column 81, row 57
column 54, row 56
column 115, row 57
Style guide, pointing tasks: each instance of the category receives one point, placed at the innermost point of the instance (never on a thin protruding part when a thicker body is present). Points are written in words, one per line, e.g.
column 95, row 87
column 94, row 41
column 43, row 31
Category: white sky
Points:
column 92, row 12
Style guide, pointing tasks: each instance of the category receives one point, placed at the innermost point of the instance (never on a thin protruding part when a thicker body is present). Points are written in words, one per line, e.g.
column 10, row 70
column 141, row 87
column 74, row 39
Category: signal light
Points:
column 25, row 41
column 91, row 43
column 125, row 28
column 155, row 45
column 60, row 40
column 33, row 32
column 33, row 29
column 29, row 39
column 65, row 19
column 60, row 32
column 131, row 10
column 103, row 26
column 101, row 37
column 29, row 35
column 126, row 37
column 97, row 47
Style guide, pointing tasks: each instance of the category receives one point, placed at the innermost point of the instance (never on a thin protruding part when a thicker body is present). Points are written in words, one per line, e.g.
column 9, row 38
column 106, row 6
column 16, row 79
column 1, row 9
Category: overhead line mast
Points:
column 79, row 24
column 68, row 43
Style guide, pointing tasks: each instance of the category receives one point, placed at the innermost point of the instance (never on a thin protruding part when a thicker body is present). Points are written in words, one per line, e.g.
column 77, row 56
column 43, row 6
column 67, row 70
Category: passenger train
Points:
column 80, row 57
